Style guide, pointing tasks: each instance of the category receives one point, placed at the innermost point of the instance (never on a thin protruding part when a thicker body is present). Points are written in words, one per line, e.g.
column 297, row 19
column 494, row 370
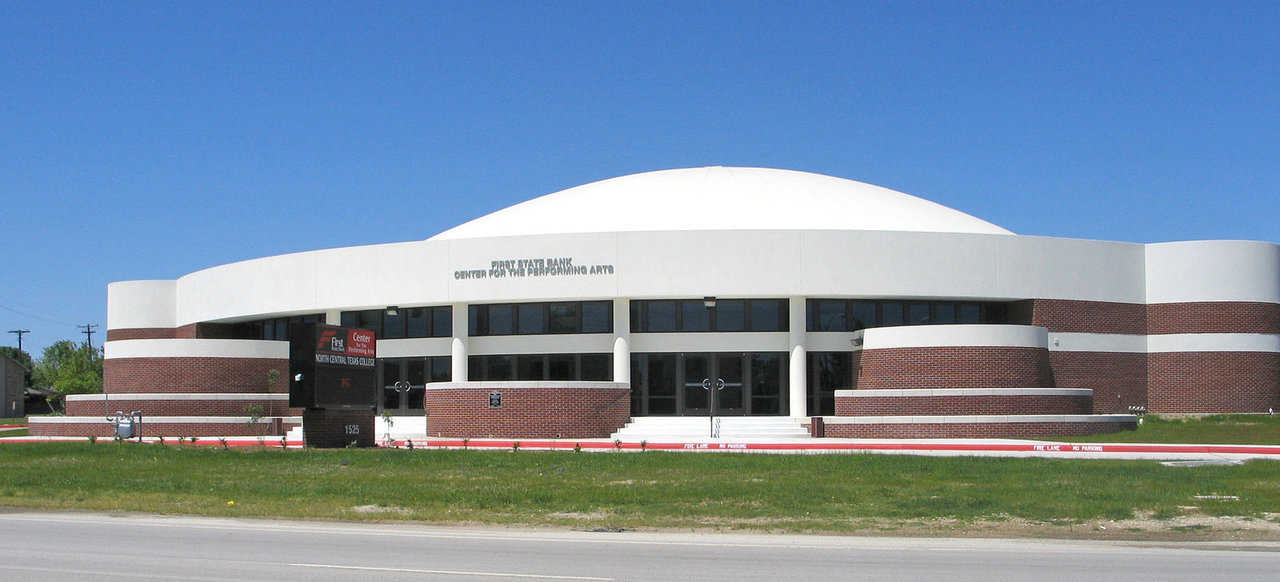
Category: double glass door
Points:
column 714, row 378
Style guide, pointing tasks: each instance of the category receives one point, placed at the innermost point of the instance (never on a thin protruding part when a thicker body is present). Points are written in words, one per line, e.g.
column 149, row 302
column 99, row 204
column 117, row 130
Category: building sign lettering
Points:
column 540, row 267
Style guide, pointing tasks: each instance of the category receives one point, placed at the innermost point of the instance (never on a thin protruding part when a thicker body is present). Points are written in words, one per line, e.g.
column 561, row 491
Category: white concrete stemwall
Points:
column 933, row 336
column 1213, row 270
column 195, row 348
column 134, row 304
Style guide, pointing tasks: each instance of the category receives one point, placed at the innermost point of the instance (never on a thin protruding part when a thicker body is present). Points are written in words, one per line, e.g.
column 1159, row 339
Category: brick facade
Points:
column 1118, row 379
column 131, row 333
column 1210, row 382
column 1061, row 315
column 179, row 375
column 955, row 367
column 528, row 412
column 977, row 430
column 1213, row 317
column 99, row 427
column 962, row 405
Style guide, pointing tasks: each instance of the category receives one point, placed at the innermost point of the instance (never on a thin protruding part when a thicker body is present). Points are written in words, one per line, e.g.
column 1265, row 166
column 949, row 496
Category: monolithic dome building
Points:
column 787, row 296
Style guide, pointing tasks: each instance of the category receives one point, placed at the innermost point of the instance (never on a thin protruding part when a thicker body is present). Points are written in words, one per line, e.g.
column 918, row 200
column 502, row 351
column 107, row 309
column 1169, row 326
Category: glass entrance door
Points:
column 719, row 373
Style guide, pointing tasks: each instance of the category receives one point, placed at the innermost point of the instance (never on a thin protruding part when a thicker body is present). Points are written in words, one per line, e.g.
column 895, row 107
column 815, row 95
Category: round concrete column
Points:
column 458, row 347
column 621, row 341
column 798, row 388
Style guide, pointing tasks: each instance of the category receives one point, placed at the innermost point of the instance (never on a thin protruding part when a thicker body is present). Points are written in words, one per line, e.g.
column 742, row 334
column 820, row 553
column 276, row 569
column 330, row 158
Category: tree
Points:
column 70, row 368
column 22, row 357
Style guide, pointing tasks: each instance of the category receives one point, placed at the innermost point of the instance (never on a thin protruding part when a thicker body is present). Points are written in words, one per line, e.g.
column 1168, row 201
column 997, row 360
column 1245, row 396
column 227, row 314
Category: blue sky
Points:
column 148, row 140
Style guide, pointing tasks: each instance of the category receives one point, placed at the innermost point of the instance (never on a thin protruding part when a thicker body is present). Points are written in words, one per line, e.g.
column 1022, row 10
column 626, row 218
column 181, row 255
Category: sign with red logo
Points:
column 341, row 346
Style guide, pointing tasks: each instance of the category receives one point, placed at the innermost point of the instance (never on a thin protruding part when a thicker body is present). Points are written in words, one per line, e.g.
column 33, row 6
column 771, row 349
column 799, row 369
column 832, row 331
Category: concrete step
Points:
column 656, row 428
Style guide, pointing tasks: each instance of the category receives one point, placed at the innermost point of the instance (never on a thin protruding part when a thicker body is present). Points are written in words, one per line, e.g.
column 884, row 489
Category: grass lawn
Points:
column 887, row 494
column 1225, row 429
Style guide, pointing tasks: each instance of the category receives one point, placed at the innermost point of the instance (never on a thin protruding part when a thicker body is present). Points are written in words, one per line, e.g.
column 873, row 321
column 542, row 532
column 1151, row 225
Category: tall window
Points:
column 691, row 315
column 541, row 318
column 534, row 367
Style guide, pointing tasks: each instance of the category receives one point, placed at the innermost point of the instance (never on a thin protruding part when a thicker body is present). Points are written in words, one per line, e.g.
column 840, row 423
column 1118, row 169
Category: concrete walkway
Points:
column 931, row 447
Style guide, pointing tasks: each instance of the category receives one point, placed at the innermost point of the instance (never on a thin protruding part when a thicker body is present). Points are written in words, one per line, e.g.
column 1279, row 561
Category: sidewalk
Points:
column 932, row 447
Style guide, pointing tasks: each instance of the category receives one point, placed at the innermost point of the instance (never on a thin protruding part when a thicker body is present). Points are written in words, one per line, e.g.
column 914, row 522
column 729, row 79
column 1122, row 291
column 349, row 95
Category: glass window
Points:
column 918, row 313
column 597, row 367
column 695, row 316
column 441, row 369
column 417, row 377
column 891, row 313
column 864, row 315
column 371, row 319
column 498, row 367
column 350, row 319
column 768, row 314
column 530, row 367
column 995, row 313
column 564, row 318
column 661, row 316
column 390, row 375
column 501, row 320
column 970, row 313
column 442, row 321
column 560, row 367
column 269, row 329
column 417, row 322
column 660, row 383
column 766, row 383
column 533, row 319
column 831, row 315
column 596, row 316
column 731, row 315
column 393, row 325
column 476, row 320
column 944, row 313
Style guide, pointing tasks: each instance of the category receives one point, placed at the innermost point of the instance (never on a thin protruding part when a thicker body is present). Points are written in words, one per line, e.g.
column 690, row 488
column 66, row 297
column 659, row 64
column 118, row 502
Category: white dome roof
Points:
column 720, row 198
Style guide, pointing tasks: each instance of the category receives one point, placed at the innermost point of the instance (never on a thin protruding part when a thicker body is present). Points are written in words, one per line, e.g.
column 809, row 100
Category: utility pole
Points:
column 87, row 330
column 19, row 332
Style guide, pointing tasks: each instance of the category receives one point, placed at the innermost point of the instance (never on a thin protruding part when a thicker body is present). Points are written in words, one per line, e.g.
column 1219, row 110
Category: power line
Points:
column 87, row 330
column 19, row 332
column 40, row 317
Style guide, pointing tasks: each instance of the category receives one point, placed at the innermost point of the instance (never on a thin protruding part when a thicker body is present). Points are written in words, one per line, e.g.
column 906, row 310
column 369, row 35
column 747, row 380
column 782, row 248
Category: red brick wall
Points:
column 1208, row 382
column 974, row 430
column 128, row 333
column 1118, row 379
column 161, row 407
column 528, row 412
column 102, row 428
column 134, row 375
column 1213, row 317
column 955, row 367
column 961, row 405
column 1063, row 315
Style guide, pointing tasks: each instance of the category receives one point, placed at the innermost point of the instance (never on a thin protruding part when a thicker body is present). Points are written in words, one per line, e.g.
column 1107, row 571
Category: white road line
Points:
column 453, row 572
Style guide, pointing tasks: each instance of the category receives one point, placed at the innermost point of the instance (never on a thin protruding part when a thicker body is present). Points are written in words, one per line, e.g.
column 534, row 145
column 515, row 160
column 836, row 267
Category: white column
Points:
column 799, row 380
column 458, row 347
column 333, row 317
column 621, row 341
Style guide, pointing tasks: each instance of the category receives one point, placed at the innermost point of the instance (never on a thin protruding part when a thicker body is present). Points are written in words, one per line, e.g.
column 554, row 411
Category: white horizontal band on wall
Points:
column 176, row 396
column 961, row 335
column 164, row 419
column 1213, row 342
column 538, row 344
column 519, row 384
column 750, row 341
column 1164, row 343
column 980, row 419
column 413, row 347
column 917, row 392
column 195, row 348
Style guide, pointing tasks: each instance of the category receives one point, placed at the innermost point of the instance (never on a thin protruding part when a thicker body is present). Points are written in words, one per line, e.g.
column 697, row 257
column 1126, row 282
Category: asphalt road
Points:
column 74, row 546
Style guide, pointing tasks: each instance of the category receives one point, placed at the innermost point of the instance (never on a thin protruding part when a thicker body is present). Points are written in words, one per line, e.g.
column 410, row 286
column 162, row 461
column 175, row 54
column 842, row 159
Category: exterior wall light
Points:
column 709, row 302
column 392, row 310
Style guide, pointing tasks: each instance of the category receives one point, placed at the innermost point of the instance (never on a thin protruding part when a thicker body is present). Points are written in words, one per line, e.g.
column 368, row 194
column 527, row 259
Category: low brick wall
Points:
column 961, row 405
column 141, row 375
column 1213, row 382
column 974, row 430
column 955, row 367
column 588, row 410
column 168, row 428
column 160, row 406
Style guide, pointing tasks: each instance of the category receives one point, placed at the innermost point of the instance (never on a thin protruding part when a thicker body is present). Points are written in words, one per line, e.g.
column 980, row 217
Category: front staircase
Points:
column 730, row 428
